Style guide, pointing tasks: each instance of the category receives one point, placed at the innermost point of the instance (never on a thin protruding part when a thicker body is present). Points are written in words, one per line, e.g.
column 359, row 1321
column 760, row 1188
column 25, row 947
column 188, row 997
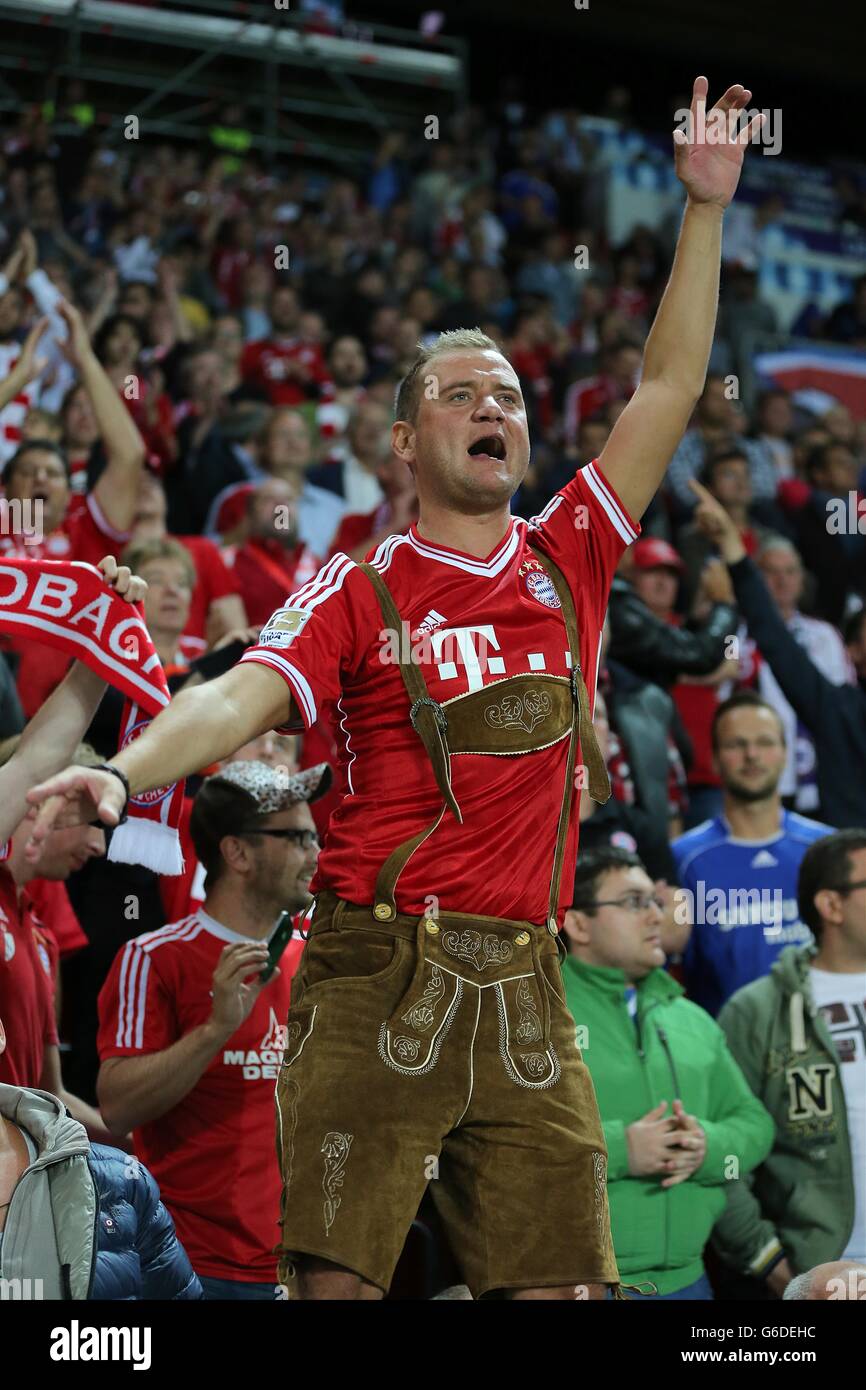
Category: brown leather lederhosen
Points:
column 461, row 1008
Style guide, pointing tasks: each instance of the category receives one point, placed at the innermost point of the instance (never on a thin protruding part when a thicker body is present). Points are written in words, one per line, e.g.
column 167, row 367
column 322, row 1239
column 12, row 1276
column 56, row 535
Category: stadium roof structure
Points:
column 320, row 94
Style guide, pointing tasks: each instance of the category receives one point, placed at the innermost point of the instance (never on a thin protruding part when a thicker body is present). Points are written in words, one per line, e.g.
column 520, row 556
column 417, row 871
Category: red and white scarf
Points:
column 67, row 605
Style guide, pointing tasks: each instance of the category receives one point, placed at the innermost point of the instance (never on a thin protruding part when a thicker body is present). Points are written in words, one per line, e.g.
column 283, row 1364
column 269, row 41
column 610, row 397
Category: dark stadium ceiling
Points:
column 801, row 36
column 801, row 56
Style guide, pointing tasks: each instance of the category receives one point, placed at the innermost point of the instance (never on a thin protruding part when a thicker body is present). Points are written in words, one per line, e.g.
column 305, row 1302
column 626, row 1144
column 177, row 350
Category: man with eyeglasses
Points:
column 191, row 1038
column 800, row 1036
column 675, row 1107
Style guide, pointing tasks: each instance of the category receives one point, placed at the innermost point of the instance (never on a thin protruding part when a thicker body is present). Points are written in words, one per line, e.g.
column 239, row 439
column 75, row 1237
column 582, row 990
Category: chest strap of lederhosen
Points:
column 430, row 723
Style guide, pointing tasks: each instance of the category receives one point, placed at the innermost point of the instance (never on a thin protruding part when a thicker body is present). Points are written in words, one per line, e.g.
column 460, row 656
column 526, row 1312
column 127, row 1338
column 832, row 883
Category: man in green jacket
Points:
column 679, row 1118
column 799, row 1035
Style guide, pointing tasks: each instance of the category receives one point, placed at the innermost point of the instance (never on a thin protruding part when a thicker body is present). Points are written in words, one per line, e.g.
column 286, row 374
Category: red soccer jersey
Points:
column 266, row 364
column 213, row 1155
column 327, row 645
column 266, row 573
column 214, row 580
column 26, row 988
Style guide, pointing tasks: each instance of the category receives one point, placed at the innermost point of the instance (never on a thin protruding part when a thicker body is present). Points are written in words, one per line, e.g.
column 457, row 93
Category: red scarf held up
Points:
column 67, row 605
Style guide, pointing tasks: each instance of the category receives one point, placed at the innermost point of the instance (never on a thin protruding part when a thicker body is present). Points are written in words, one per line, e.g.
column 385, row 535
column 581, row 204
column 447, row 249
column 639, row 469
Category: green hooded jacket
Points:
column 671, row 1051
column 801, row 1199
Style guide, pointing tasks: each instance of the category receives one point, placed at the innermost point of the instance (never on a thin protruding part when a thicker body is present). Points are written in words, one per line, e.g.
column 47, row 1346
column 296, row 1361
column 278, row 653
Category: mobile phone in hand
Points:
column 277, row 943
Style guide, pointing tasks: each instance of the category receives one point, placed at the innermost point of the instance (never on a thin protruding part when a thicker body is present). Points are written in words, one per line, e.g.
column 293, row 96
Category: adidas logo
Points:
column 432, row 620
column 764, row 860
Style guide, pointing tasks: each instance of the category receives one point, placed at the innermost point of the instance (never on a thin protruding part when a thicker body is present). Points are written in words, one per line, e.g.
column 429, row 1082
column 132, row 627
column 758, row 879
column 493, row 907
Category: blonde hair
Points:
column 140, row 553
column 455, row 340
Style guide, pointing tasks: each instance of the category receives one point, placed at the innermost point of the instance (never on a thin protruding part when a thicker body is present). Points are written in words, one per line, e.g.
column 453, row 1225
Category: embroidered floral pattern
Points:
column 599, row 1168
column 528, row 1029
column 407, row 1049
column 469, row 946
column 421, row 1015
column 336, row 1148
column 516, row 712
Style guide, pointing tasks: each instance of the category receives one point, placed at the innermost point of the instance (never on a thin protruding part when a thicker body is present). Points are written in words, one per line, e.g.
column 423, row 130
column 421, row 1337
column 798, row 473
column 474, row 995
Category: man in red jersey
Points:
column 191, row 1039
column 41, row 519
column 428, row 1035
column 289, row 370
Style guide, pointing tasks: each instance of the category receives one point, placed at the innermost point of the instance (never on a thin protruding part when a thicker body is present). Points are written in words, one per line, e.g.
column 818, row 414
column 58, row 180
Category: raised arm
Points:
column 805, row 687
column 677, row 352
column 118, row 486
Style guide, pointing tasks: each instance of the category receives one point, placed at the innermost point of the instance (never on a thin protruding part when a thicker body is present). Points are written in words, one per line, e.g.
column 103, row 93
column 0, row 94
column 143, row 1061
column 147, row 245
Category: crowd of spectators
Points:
column 198, row 361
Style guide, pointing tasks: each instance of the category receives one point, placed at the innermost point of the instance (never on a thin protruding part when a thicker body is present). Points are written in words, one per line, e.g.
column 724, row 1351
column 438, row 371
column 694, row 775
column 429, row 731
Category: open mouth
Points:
column 491, row 446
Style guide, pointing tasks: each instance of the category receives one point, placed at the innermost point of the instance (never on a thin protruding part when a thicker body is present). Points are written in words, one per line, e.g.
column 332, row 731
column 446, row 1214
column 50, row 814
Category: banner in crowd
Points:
column 67, row 605
column 836, row 371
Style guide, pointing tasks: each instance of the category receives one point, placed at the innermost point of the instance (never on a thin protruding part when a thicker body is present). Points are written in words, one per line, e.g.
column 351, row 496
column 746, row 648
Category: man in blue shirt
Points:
column 738, row 872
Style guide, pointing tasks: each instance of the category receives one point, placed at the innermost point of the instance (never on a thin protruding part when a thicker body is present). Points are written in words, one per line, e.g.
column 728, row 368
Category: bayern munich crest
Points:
column 540, row 585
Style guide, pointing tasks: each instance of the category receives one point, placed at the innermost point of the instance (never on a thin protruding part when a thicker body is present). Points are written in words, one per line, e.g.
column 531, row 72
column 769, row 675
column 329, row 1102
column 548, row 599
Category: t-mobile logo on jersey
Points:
column 449, row 649
column 474, row 657
column 262, row 1065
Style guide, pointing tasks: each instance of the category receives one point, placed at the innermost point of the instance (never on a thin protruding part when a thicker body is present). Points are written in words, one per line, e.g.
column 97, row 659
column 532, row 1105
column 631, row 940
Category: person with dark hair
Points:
column 673, row 1103
column 737, row 872
column 727, row 476
column 191, row 1036
column 835, row 715
column 118, row 345
column 289, row 370
column 799, row 1035
column 774, row 428
column 832, row 549
column 716, row 425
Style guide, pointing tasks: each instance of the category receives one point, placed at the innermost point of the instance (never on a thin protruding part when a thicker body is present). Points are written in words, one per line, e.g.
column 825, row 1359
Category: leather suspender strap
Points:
column 599, row 783
column 425, row 714
column 429, row 724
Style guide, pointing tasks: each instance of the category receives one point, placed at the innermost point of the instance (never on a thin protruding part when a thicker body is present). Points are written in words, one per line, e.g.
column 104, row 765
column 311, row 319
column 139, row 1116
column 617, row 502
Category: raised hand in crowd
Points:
column 711, row 517
column 28, row 367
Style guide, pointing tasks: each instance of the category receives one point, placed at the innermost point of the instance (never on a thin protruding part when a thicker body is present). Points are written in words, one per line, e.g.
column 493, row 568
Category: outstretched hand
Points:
column 708, row 154
column 75, row 796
